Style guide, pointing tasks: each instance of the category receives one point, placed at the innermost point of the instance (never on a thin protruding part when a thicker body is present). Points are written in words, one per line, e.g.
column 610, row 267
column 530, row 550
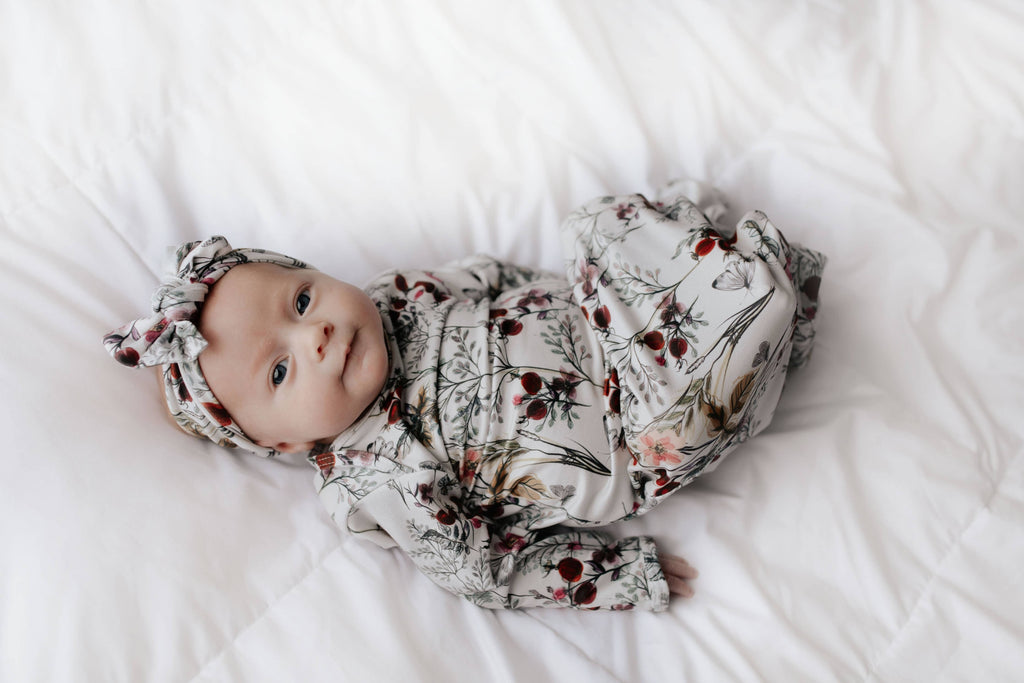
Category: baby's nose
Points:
column 322, row 333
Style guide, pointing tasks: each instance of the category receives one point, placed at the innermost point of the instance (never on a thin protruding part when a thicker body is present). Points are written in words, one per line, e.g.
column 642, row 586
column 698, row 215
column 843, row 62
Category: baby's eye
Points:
column 302, row 302
column 280, row 370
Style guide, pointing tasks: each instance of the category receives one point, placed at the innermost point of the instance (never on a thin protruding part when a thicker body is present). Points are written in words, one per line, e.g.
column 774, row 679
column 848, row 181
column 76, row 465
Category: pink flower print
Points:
column 470, row 461
column 536, row 297
column 154, row 332
column 588, row 274
column 659, row 449
column 559, row 594
column 607, row 555
column 565, row 384
column 670, row 308
column 426, row 492
column 511, row 543
column 624, row 211
column 362, row 457
column 182, row 312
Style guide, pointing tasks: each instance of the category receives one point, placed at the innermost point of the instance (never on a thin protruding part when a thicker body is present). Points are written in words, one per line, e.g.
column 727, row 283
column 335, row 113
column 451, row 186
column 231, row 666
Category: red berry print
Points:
column 654, row 340
column 811, row 286
column 427, row 286
column 602, row 317
column 536, row 410
column 218, row 413
column 446, row 516
column 531, row 382
column 128, row 356
column 704, row 247
column 677, row 347
column 571, row 569
column 667, row 488
column 394, row 411
column 585, row 594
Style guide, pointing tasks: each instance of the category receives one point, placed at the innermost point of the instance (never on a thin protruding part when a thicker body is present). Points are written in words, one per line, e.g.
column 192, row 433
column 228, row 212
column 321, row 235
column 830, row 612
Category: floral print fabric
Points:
column 523, row 408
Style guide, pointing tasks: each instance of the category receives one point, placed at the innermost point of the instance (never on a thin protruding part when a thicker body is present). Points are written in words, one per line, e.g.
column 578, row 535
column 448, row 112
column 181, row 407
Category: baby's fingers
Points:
column 679, row 586
column 678, row 573
column 677, row 566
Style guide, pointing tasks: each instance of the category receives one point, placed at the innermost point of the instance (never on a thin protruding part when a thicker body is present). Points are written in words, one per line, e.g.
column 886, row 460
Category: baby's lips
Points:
column 345, row 351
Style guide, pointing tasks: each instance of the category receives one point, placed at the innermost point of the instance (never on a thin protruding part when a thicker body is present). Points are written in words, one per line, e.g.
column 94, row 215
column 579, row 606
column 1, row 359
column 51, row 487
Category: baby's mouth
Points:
column 346, row 352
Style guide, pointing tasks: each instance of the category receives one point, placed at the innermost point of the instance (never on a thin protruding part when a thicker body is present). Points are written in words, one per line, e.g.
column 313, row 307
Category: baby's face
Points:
column 295, row 356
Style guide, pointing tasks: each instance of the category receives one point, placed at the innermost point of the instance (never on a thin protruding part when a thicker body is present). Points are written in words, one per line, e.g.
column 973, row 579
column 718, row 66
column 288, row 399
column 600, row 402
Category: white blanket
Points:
column 875, row 532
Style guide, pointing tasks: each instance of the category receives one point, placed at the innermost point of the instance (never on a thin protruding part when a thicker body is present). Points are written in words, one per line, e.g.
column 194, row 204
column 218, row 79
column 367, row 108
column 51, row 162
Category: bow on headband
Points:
column 170, row 337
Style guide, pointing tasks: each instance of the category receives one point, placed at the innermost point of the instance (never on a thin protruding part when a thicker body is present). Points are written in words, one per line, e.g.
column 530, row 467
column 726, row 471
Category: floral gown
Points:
column 523, row 408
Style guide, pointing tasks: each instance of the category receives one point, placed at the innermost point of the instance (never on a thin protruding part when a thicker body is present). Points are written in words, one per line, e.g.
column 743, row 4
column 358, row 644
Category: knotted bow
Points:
column 170, row 336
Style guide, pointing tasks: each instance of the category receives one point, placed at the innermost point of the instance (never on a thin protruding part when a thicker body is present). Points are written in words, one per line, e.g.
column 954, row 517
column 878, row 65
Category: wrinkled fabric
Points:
column 170, row 338
column 524, row 407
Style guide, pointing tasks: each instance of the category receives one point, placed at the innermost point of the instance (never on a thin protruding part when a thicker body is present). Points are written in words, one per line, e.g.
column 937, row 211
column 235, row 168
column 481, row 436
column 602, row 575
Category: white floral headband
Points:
column 169, row 337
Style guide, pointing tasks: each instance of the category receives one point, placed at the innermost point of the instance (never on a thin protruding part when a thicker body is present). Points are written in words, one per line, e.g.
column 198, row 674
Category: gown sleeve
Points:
column 484, row 277
column 492, row 564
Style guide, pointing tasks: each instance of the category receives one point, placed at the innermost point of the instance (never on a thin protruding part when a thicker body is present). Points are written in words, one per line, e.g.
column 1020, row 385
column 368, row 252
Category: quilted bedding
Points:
column 875, row 532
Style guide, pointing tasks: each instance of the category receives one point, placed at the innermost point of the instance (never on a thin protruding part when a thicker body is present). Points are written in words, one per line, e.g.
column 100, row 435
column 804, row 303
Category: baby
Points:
column 484, row 416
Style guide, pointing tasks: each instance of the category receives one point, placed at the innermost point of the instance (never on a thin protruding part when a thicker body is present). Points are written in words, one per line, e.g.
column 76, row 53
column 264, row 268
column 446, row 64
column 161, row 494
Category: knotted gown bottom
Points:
column 697, row 324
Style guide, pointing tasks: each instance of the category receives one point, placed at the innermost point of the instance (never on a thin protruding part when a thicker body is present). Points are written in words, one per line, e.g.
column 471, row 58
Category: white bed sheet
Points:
column 874, row 533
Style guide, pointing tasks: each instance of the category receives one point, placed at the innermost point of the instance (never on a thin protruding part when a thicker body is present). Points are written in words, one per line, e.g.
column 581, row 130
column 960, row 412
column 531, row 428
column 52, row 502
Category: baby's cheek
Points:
column 329, row 407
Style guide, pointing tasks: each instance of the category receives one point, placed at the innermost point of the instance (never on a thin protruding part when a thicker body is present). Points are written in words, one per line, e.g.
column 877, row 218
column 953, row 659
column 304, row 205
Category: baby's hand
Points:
column 678, row 573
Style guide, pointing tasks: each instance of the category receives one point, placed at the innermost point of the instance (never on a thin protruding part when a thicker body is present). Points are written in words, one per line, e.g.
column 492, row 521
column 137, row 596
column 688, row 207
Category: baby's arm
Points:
column 478, row 277
column 502, row 567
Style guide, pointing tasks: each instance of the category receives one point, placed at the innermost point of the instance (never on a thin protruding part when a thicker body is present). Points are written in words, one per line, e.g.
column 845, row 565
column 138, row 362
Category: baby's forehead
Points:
column 243, row 295
column 247, row 279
